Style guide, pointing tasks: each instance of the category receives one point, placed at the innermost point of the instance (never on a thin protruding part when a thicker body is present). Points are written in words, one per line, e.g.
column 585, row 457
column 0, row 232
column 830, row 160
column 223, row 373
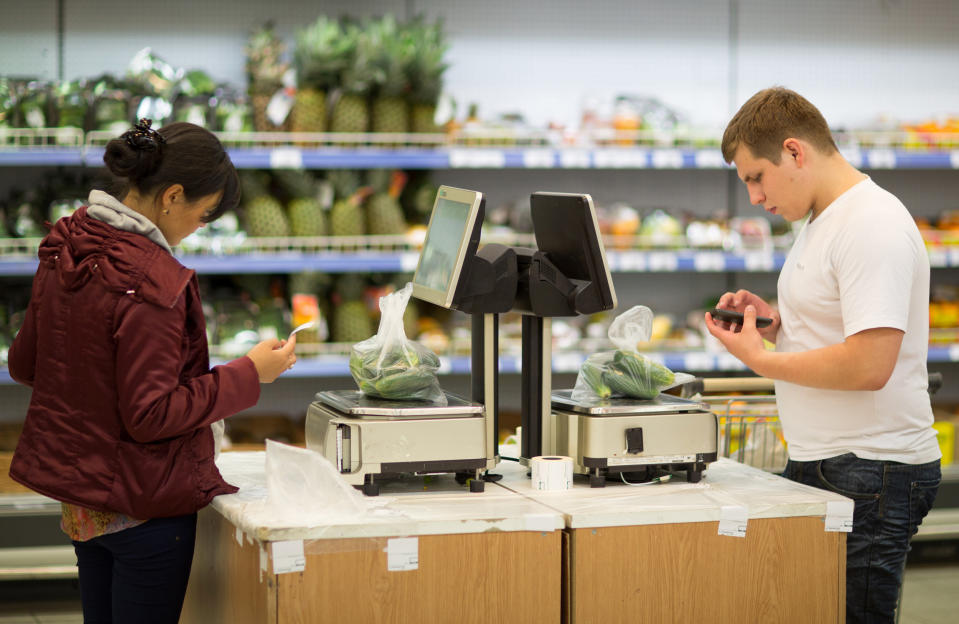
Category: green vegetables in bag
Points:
column 403, row 373
column 627, row 374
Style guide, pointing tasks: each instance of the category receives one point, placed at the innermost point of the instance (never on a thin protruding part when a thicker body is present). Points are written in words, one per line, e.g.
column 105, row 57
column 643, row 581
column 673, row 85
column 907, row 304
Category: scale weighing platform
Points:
column 368, row 438
column 624, row 435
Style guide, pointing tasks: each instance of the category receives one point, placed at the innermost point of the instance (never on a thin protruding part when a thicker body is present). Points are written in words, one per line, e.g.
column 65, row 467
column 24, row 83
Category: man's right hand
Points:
column 272, row 358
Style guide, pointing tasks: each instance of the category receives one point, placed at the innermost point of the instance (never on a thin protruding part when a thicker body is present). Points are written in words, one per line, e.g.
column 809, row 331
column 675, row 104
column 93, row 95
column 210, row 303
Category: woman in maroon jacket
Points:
column 114, row 346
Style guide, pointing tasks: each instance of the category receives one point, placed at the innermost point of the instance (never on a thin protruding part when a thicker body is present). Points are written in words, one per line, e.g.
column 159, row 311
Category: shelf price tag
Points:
column 709, row 159
column 477, row 158
column 402, row 553
column 408, row 261
column 286, row 158
column 699, row 361
column 666, row 261
column 759, row 261
column 709, row 261
column 938, row 258
column 620, row 158
column 575, row 159
column 288, row 557
column 631, row 261
column 953, row 353
column 567, row 362
column 539, row 159
column 667, row 159
column 882, row 159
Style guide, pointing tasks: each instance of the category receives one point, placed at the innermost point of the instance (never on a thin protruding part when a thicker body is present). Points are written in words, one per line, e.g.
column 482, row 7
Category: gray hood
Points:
column 107, row 208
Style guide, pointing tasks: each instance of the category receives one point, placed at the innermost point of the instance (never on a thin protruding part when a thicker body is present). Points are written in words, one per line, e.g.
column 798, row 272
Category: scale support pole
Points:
column 484, row 378
column 536, row 386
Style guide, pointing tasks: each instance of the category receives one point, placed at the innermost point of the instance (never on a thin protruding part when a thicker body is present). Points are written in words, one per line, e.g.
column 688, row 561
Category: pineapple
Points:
column 384, row 215
column 305, row 206
column 351, row 319
column 350, row 109
column 264, row 213
column 426, row 73
column 394, row 52
column 264, row 72
column 319, row 57
column 347, row 215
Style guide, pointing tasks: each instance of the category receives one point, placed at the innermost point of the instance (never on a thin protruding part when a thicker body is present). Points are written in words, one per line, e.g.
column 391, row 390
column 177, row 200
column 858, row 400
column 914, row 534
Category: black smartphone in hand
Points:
column 735, row 317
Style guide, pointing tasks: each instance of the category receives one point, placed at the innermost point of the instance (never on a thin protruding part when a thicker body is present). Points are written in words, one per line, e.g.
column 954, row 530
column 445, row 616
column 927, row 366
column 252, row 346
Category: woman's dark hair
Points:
column 152, row 161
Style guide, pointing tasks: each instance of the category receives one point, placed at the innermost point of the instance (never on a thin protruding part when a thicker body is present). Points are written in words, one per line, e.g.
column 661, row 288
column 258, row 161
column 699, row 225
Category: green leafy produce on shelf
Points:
column 265, row 67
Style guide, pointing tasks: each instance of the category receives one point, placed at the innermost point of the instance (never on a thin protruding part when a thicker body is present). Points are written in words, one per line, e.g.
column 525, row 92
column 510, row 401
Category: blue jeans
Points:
column 891, row 499
column 138, row 574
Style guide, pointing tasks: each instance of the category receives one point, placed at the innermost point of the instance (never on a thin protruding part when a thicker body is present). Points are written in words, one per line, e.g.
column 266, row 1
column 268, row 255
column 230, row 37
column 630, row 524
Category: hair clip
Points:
column 142, row 137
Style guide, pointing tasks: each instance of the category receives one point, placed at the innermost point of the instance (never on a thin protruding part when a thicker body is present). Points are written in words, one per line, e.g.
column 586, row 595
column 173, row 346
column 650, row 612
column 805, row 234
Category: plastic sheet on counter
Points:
column 725, row 484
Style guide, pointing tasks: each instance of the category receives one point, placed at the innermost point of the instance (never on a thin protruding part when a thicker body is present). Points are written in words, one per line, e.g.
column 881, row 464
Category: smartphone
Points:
column 735, row 317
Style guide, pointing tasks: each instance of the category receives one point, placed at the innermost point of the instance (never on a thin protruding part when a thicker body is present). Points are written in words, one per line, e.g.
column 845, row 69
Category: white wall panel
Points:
column 28, row 39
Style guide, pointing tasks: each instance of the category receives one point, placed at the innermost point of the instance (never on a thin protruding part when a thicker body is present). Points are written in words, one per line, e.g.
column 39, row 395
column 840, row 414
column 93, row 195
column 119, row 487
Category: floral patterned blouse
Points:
column 83, row 524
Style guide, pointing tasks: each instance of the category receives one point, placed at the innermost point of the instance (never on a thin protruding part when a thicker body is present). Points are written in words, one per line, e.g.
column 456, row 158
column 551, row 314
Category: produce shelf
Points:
column 508, row 149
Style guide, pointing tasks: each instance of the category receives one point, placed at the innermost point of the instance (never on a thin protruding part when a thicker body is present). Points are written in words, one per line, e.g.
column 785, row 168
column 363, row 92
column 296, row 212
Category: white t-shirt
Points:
column 861, row 264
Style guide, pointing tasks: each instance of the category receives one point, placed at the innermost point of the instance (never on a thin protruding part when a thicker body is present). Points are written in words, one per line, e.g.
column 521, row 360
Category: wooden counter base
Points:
column 784, row 570
column 479, row 577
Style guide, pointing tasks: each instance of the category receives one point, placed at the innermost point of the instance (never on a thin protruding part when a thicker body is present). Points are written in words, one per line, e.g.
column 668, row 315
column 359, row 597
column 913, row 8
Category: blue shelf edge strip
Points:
column 567, row 363
column 483, row 157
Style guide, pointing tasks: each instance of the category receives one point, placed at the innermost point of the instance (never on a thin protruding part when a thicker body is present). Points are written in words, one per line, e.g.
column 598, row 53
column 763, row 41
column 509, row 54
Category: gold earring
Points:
column 167, row 211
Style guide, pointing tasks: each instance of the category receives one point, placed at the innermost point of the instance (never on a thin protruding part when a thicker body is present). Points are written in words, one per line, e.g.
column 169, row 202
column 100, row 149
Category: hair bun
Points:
column 142, row 137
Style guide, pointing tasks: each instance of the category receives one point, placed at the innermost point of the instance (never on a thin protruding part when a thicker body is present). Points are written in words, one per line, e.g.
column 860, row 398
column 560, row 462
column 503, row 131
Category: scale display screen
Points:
column 448, row 237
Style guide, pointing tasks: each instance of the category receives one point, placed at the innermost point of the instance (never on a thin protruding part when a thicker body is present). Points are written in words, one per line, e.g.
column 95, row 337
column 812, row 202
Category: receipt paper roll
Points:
column 551, row 472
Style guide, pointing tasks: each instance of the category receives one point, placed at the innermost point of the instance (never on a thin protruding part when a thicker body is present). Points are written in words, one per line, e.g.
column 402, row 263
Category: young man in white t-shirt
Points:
column 851, row 334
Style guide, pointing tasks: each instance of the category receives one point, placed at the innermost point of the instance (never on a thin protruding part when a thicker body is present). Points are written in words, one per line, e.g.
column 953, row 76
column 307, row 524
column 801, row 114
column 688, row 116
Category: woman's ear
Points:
column 171, row 196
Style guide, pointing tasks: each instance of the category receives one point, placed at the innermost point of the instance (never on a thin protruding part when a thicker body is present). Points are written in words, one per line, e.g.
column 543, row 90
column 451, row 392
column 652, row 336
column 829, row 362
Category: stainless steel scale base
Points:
column 629, row 435
column 367, row 439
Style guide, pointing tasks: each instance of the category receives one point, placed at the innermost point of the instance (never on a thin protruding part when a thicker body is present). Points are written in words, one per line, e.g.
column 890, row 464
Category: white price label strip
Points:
column 402, row 553
column 954, row 159
column 408, row 262
column 668, row 159
column 539, row 159
column 478, row 158
column 732, row 520
column 663, row 261
column 286, row 158
column 709, row 261
column 710, row 159
column 839, row 516
column 623, row 158
column 882, row 159
column 288, row 557
column 575, row 159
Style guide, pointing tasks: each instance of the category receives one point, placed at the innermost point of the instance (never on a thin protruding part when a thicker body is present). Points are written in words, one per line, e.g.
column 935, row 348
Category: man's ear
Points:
column 794, row 149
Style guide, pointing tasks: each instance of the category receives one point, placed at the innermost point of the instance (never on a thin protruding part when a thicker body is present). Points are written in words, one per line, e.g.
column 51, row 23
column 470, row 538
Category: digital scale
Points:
column 369, row 440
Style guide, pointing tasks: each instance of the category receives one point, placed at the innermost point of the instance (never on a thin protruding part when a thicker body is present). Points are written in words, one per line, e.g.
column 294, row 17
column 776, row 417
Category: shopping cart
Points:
column 749, row 428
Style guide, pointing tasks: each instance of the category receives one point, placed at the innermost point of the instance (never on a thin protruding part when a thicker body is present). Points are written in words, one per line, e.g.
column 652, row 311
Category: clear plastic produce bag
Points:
column 391, row 366
column 625, row 372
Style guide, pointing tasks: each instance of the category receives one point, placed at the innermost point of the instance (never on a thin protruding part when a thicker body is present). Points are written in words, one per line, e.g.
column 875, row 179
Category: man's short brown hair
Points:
column 770, row 117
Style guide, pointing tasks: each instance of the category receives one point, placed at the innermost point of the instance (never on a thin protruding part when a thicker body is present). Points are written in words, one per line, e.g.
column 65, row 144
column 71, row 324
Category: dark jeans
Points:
column 138, row 574
column 891, row 499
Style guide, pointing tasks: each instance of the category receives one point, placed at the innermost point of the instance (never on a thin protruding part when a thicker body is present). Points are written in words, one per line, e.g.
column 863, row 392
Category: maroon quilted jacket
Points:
column 114, row 346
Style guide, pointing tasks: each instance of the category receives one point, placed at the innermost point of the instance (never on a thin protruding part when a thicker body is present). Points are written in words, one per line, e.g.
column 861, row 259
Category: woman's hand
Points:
column 273, row 357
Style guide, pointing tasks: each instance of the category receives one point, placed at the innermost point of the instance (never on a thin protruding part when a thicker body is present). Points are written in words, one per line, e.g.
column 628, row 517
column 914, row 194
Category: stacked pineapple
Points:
column 426, row 68
column 305, row 201
column 351, row 318
column 394, row 47
column 320, row 55
column 263, row 212
column 264, row 71
column 351, row 107
column 384, row 214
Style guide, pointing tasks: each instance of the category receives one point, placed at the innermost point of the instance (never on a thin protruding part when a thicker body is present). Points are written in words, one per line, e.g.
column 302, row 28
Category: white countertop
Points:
column 725, row 485
column 413, row 506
